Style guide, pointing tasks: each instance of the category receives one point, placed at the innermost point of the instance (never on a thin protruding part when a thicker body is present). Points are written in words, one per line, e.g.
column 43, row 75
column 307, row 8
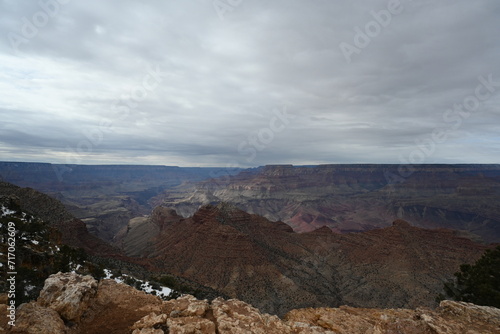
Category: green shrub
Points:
column 478, row 283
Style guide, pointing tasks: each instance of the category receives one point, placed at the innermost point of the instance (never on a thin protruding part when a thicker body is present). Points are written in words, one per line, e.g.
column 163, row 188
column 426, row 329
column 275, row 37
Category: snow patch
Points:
column 29, row 288
column 75, row 267
column 108, row 274
column 163, row 291
column 6, row 212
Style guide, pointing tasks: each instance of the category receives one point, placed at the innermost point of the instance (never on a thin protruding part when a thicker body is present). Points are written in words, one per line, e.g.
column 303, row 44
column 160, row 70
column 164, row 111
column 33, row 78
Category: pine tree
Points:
column 478, row 283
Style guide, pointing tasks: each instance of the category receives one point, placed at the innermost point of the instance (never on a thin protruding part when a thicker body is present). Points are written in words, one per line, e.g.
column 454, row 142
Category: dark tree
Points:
column 478, row 283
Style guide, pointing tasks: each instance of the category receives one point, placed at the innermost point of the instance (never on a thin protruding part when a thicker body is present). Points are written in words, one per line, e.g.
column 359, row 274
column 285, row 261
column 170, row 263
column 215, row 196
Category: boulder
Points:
column 69, row 294
column 32, row 318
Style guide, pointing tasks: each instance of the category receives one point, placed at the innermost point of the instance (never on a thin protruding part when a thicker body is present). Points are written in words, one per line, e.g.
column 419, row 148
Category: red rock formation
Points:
column 265, row 263
column 351, row 198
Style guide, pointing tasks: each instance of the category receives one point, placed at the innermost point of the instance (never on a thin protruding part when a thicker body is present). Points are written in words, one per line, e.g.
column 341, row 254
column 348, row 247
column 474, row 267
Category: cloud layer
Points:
column 247, row 83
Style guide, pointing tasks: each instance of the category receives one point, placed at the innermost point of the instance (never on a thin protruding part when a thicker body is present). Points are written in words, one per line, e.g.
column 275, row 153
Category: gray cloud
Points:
column 173, row 83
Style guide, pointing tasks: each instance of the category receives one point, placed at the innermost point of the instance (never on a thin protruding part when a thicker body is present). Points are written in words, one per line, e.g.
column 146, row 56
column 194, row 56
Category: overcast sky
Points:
column 250, row 82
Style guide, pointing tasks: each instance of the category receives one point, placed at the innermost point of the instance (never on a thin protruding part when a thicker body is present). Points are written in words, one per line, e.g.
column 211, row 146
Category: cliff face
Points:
column 265, row 263
column 73, row 231
column 76, row 304
column 350, row 198
column 104, row 197
column 346, row 198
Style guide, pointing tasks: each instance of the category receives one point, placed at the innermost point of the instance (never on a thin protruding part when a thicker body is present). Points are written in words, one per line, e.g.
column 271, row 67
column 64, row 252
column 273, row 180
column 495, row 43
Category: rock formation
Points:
column 68, row 294
column 109, row 307
column 105, row 197
column 346, row 198
column 265, row 263
column 354, row 198
column 73, row 231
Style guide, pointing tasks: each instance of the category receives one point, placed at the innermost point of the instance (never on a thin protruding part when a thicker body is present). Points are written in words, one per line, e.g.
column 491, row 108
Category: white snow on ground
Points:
column 165, row 291
column 145, row 286
column 35, row 242
column 75, row 267
column 118, row 280
column 6, row 212
column 29, row 288
column 108, row 273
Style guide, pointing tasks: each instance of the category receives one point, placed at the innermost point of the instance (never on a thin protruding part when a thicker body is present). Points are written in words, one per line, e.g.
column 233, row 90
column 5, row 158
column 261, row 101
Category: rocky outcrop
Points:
column 117, row 308
column 135, row 238
column 266, row 264
column 32, row 318
column 450, row 317
column 68, row 294
column 71, row 303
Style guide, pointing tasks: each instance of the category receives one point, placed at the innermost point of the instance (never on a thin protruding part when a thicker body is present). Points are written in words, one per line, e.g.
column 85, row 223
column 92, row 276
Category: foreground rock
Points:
column 68, row 294
column 71, row 304
column 449, row 317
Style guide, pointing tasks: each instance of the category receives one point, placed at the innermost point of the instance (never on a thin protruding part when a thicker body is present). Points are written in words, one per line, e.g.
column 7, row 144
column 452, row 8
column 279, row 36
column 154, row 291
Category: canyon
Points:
column 277, row 237
column 355, row 198
column 345, row 198
column 105, row 198
column 267, row 264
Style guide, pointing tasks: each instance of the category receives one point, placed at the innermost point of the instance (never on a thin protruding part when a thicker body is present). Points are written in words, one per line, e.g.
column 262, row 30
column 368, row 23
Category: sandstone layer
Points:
column 354, row 198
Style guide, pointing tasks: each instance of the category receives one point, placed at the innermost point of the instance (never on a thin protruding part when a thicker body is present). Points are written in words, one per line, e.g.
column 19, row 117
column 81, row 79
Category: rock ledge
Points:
column 71, row 303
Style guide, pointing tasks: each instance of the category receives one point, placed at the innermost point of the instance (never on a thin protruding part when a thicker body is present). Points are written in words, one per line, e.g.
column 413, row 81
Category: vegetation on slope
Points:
column 478, row 283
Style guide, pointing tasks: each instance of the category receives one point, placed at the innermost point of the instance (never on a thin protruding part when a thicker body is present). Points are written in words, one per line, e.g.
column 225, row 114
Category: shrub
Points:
column 478, row 283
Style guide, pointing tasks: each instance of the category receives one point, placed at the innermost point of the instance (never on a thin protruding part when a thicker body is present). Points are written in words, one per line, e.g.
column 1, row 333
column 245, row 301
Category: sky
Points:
column 241, row 83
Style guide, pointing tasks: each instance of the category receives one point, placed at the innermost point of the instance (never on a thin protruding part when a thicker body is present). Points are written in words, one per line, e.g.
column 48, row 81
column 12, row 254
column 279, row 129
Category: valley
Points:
column 355, row 198
column 278, row 237
column 248, row 257
column 105, row 198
